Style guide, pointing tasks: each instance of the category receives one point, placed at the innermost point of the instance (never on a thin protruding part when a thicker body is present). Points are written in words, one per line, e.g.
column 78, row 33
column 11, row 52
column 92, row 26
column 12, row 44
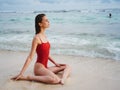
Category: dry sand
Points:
column 87, row 73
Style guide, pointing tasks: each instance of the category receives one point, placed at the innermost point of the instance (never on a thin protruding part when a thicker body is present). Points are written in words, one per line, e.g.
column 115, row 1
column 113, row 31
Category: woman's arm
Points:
column 30, row 56
column 52, row 60
column 28, row 60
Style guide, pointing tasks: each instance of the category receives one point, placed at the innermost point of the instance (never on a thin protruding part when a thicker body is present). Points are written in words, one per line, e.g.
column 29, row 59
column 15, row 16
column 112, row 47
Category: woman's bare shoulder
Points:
column 36, row 38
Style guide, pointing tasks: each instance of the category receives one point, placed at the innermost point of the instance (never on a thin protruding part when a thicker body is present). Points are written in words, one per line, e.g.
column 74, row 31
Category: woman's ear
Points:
column 39, row 24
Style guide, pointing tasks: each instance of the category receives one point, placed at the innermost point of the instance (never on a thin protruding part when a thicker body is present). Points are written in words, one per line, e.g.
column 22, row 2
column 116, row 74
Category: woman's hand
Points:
column 58, row 65
column 17, row 77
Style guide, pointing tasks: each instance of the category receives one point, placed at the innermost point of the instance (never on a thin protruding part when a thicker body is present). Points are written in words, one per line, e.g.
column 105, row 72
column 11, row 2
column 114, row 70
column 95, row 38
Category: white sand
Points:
column 87, row 73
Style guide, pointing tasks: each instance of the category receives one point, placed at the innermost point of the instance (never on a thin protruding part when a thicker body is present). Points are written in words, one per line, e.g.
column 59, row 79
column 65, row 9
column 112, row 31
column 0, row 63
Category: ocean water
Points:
column 76, row 32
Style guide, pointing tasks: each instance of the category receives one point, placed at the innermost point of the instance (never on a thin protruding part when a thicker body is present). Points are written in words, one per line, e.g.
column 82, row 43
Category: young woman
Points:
column 41, row 46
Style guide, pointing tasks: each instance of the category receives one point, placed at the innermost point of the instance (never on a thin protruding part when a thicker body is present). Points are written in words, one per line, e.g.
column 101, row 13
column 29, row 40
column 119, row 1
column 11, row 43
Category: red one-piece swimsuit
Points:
column 42, row 51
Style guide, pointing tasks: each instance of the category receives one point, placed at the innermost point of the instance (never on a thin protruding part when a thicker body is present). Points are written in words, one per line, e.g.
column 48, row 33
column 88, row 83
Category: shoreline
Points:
column 80, row 56
column 87, row 73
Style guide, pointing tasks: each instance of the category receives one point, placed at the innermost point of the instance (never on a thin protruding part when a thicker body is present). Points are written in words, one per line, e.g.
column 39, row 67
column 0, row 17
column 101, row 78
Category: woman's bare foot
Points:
column 62, row 81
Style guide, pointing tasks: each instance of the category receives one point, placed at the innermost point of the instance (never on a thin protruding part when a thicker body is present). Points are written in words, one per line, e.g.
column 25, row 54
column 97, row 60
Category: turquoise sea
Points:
column 74, row 32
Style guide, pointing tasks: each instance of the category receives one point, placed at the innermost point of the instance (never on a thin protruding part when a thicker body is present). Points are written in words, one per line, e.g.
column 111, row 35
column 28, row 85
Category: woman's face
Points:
column 45, row 23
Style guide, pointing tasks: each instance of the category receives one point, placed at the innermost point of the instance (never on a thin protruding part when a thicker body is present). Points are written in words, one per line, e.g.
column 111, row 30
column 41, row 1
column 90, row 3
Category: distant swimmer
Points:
column 110, row 15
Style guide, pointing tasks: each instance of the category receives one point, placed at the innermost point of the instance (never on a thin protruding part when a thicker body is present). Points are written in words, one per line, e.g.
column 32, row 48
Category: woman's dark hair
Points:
column 38, row 19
